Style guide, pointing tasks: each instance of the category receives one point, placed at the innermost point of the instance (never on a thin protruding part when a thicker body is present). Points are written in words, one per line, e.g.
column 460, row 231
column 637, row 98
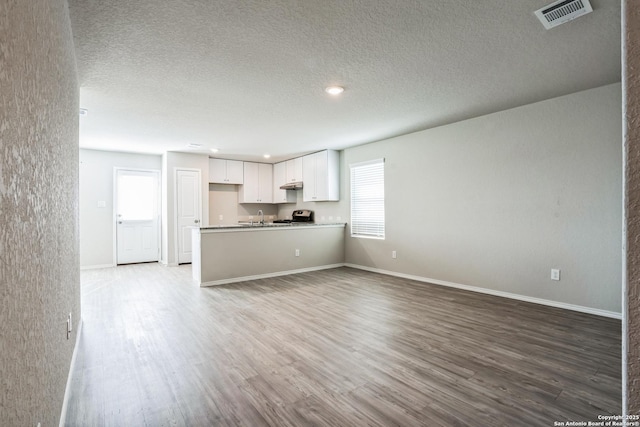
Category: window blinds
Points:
column 367, row 199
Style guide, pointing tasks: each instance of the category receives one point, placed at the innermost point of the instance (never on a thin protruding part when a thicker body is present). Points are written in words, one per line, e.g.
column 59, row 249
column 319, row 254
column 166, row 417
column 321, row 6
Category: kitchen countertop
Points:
column 267, row 226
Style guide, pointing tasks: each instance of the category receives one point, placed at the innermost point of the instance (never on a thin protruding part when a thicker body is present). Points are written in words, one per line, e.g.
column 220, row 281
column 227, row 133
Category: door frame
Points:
column 115, row 208
column 176, row 229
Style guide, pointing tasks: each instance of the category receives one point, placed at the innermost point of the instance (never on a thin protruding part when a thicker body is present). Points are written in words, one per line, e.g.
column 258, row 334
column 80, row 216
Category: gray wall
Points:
column 223, row 200
column 39, row 274
column 170, row 162
column 243, row 253
column 96, row 184
column 497, row 201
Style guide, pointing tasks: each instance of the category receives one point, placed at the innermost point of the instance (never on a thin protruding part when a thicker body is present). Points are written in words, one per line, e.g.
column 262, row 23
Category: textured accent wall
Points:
column 631, row 87
column 39, row 272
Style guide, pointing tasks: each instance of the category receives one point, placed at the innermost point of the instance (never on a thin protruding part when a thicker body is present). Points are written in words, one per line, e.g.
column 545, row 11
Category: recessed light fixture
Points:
column 334, row 90
column 266, row 156
column 214, row 150
column 194, row 145
column 84, row 111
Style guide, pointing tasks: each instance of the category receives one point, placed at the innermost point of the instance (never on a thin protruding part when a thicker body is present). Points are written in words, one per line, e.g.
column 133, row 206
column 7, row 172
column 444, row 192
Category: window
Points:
column 367, row 199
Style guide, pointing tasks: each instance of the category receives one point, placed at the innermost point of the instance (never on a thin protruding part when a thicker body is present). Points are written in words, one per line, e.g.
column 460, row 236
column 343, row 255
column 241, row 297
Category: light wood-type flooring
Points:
column 339, row 347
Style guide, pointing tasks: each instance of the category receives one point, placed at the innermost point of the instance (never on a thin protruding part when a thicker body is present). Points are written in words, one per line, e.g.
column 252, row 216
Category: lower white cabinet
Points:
column 321, row 176
column 258, row 183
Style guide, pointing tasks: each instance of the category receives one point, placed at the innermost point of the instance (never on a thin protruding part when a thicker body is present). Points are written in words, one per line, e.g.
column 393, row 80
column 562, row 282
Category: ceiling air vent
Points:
column 562, row 11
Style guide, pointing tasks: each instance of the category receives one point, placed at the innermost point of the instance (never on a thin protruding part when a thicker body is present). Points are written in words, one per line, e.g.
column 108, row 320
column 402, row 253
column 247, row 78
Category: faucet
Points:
column 261, row 216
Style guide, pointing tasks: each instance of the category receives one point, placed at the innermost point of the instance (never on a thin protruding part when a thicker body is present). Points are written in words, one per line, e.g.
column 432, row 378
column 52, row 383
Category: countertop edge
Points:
column 244, row 228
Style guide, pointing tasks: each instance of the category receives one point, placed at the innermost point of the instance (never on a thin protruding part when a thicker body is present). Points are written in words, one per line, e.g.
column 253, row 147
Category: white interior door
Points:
column 137, row 216
column 188, row 210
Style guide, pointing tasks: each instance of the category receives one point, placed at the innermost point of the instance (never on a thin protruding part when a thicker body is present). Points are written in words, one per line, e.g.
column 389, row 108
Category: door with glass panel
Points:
column 137, row 216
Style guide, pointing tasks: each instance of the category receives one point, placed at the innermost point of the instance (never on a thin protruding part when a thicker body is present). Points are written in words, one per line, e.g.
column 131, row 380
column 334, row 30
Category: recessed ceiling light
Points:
column 194, row 145
column 214, row 150
column 334, row 90
column 266, row 156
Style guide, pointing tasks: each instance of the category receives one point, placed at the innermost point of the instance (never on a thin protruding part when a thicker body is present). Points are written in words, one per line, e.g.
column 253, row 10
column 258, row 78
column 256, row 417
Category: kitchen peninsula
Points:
column 234, row 253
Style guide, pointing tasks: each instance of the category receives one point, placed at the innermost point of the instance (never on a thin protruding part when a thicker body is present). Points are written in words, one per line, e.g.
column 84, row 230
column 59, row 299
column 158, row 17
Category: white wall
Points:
column 497, row 201
column 97, row 225
column 170, row 162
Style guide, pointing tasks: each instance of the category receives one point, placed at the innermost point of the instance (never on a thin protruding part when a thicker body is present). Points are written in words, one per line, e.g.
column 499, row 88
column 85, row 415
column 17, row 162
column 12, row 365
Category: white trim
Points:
column 96, row 266
column 65, row 400
column 267, row 275
column 582, row 309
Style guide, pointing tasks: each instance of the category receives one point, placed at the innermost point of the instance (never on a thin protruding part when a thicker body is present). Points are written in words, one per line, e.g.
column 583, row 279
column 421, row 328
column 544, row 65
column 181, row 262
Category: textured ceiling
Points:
column 248, row 77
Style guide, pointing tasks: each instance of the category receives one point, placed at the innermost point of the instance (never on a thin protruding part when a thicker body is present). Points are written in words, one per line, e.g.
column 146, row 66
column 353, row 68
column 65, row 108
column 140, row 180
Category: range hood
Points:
column 292, row 186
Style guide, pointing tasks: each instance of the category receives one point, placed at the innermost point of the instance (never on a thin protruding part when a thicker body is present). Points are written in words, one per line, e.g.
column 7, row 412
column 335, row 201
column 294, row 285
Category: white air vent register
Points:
column 562, row 11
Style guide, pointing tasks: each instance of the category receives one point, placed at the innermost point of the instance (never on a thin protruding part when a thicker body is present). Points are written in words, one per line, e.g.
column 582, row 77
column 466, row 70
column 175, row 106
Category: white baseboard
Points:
column 589, row 310
column 267, row 275
column 65, row 401
column 93, row 267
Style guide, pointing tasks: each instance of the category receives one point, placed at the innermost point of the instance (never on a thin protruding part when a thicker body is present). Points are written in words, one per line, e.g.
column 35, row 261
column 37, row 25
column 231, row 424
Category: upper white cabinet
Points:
column 226, row 171
column 258, row 183
column 294, row 170
column 321, row 176
column 280, row 178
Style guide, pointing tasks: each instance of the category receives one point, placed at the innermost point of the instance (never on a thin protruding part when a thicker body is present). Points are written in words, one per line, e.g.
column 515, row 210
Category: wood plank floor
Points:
column 338, row 347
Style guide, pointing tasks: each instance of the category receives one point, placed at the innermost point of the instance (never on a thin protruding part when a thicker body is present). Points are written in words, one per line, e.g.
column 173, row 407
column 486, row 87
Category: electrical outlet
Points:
column 220, row 217
column 555, row 274
column 297, row 252
column 394, row 254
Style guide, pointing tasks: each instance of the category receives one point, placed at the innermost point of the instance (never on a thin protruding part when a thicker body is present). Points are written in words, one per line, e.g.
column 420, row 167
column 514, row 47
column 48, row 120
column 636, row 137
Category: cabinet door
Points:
column 279, row 178
column 265, row 183
column 321, row 176
column 309, row 178
column 235, row 172
column 218, row 171
column 294, row 169
column 249, row 191
column 279, row 175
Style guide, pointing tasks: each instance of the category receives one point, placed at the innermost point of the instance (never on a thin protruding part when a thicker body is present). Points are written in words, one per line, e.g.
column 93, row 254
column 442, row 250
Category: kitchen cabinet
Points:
column 280, row 178
column 226, row 171
column 294, row 170
column 258, row 183
column 321, row 176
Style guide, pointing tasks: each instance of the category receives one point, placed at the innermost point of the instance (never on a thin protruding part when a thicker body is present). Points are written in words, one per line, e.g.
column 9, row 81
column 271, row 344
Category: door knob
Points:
column 196, row 221
column 119, row 222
